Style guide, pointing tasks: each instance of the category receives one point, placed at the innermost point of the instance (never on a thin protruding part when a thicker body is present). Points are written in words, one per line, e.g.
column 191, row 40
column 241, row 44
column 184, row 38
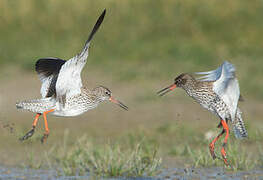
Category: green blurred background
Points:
column 144, row 39
column 140, row 48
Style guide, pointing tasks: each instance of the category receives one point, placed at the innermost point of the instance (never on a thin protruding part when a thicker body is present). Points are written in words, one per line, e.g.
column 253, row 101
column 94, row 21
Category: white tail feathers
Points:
column 239, row 126
column 37, row 105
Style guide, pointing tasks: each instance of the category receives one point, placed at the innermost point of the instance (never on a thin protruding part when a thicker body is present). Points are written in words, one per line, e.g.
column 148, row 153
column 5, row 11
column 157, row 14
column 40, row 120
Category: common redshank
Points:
column 62, row 91
column 218, row 92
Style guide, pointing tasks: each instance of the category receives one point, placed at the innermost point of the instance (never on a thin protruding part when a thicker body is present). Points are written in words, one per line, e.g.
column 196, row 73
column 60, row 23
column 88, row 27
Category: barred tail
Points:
column 36, row 105
column 239, row 126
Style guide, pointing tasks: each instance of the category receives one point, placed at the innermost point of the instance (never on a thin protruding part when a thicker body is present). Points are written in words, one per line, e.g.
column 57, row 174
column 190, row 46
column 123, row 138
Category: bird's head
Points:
column 183, row 81
column 104, row 94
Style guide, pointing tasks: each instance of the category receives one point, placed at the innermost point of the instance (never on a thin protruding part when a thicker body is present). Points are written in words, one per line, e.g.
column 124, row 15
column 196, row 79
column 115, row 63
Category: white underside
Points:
column 73, row 110
column 67, row 113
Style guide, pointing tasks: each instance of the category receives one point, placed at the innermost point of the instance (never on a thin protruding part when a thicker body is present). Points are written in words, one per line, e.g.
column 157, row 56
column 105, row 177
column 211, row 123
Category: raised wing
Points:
column 69, row 80
column 48, row 69
column 225, row 85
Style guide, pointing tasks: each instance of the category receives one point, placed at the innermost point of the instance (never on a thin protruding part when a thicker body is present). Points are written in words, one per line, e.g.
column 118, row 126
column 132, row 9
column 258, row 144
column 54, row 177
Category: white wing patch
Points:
column 45, row 85
column 225, row 85
column 69, row 79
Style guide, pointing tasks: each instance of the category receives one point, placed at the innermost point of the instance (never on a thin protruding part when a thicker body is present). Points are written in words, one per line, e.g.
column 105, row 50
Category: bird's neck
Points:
column 189, row 90
column 191, row 86
column 91, row 95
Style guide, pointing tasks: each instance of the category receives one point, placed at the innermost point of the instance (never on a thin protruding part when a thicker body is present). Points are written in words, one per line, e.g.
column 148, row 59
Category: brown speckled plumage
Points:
column 202, row 93
column 218, row 92
column 62, row 91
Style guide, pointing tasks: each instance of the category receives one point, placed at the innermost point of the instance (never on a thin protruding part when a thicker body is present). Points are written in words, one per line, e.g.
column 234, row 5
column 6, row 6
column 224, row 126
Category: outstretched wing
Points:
column 69, row 80
column 225, row 85
column 48, row 69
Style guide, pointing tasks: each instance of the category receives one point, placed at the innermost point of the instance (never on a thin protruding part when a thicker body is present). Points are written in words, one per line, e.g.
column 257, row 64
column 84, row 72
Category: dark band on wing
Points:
column 47, row 67
column 52, row 87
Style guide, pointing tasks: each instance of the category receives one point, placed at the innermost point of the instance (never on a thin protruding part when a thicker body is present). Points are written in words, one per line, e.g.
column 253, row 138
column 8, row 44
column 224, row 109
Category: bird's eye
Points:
column 107, row 93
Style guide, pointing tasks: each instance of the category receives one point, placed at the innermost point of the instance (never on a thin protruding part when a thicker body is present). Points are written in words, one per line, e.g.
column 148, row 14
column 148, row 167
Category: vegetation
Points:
column 109, row 160
column 239, row 156
column 140, row 47
column 139, row 39
column 85, row 157
column 136, row 155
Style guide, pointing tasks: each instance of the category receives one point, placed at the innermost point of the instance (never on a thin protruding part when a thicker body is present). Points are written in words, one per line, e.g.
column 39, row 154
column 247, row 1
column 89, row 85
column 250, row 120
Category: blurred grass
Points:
column 108, row 160
column 139, row 40
column 237, row 155
column 138, row 153
column 87, row 158
column 193, row 147
column 141, row 46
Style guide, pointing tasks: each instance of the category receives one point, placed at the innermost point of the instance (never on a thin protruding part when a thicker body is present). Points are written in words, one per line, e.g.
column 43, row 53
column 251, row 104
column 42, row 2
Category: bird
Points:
column 62, row 91
column 218, row 92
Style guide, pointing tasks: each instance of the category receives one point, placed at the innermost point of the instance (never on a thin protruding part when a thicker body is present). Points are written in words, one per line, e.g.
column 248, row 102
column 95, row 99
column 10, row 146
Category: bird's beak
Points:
column 166, row 90
column 118, row 103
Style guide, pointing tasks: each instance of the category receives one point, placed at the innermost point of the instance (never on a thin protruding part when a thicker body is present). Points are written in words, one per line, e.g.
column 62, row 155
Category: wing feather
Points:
column 48, row 69
column 225, row 85
column 69, row 80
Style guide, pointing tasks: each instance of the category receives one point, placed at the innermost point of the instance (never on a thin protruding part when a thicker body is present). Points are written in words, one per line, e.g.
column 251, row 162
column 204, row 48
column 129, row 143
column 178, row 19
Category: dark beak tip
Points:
column 125, row 107
column 162, row 92
column 159, row 93
column 122, row 105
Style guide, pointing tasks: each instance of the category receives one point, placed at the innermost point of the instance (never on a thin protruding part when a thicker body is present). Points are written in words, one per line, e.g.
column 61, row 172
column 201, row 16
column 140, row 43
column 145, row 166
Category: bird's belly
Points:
column 68, row 112
column 207, row 107
column 217, row 107
column 73, row 109
column 206, row 101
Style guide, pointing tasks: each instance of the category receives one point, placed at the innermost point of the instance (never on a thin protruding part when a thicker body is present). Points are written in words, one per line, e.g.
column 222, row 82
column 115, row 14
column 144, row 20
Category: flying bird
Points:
column 217, row 91
column 62, row 91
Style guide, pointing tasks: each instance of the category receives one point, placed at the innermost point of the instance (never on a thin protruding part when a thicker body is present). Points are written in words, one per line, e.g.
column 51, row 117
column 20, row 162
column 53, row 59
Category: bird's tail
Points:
column 36, row 105
column 239, row 126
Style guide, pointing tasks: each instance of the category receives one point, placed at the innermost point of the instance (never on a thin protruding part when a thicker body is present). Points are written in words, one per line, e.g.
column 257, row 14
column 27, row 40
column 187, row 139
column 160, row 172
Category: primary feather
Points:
column 69, row 80
column 48, row 70
column 225, row 85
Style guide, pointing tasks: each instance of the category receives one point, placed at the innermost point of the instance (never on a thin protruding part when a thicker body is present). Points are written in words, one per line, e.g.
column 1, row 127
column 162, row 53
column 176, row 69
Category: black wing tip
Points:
column 102, row 15
column 104, row 12
column 40, row 60
column 97, row 25
column 49, row 65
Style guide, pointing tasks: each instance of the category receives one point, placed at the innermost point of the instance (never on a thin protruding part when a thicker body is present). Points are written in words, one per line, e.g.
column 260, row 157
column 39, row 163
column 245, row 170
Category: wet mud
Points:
column 171, row 173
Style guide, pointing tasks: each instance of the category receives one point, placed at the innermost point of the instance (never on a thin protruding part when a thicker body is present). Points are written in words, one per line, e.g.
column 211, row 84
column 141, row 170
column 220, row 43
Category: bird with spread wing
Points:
column 217, row 91
column 62, row 91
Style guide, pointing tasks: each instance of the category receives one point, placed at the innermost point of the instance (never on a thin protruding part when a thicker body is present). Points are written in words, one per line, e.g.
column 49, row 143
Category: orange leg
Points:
column 212, row 145
column 36, row 120
column 45, row 136
column 223, row 152
column 31, row 132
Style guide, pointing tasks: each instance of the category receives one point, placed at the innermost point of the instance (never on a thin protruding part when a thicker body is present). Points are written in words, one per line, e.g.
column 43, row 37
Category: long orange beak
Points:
column 118, row 103
column 166, row 90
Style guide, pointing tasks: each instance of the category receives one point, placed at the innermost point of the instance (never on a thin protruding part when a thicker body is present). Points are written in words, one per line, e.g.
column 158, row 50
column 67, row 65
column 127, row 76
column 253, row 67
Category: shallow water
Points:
column 209, row 173
column 171, row 173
